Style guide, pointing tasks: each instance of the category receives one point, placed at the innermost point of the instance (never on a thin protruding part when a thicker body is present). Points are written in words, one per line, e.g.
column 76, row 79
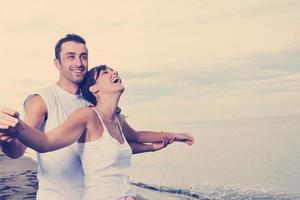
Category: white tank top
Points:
column 60, row 172
column 106, row 165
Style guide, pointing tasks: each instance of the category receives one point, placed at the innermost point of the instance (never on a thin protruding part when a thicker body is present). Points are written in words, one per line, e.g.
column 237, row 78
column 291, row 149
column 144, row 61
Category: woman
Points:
column 106, row 153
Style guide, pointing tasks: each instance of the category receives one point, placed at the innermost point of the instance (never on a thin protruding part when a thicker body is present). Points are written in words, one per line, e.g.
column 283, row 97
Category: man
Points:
column 60, row 172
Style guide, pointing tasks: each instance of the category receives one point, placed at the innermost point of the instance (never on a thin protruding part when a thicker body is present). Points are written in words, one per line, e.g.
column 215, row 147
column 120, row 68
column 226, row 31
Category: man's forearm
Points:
column 13, row 149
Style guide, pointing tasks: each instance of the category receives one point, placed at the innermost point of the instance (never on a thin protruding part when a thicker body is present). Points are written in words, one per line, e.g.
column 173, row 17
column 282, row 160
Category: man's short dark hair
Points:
column 67, row 38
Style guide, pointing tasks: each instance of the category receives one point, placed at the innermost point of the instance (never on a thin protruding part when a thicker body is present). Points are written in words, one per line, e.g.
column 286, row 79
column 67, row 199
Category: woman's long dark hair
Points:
column 89, row 80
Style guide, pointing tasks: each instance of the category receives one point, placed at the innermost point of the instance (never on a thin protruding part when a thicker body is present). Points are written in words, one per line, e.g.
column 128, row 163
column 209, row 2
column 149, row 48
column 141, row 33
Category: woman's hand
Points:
column 10, row 125
column 179, row 137
column 160, row 145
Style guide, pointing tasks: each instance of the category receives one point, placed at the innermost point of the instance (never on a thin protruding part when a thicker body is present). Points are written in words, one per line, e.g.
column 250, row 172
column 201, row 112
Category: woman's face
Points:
column 109, row 81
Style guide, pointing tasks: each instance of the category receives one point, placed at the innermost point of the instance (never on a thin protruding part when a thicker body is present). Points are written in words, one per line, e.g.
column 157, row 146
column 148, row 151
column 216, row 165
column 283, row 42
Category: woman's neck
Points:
column 107, row 106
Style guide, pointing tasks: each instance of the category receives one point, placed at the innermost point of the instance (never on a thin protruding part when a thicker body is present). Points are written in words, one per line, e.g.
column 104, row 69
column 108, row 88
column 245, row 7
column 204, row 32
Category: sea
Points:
column 249, row 159
column 235, row 159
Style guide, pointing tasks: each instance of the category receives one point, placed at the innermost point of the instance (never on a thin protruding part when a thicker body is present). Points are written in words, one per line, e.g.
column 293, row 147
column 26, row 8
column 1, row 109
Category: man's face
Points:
column 73, row 61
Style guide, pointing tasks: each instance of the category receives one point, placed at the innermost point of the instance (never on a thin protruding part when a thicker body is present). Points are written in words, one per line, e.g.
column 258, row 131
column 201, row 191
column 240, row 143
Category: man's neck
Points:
column 69, row 87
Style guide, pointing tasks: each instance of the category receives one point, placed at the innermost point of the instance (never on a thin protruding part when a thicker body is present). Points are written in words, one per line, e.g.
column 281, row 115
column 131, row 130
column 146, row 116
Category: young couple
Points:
column 86, row 150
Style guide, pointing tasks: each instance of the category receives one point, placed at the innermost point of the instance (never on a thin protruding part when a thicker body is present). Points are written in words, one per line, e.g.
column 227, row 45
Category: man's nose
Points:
column 78, row 61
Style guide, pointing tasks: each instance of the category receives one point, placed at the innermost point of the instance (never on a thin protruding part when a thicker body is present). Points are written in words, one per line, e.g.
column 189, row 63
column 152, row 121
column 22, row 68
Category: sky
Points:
column 182, row 61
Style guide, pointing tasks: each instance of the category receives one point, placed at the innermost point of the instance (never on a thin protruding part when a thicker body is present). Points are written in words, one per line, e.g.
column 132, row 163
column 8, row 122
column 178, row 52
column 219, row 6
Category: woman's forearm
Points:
column 140, row 147
column 152, row 136
column 148, row 147
column 149, row 136
column 33, row 138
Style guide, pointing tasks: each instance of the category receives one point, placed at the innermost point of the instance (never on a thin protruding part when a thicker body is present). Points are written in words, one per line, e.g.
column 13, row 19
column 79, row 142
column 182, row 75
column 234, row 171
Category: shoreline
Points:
column 18, row 181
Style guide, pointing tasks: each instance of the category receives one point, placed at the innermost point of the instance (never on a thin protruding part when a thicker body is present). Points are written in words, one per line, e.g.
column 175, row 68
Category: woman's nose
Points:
column 115, row 73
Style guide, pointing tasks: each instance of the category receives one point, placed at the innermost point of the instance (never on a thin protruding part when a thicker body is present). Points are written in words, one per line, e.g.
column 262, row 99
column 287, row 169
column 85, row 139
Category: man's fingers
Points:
column 4, row 138
column 11, row 139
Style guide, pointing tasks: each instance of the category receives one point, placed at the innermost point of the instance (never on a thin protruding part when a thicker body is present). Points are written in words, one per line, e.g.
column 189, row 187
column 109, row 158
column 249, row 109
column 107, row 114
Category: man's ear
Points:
column 94, row 89
column 57, row 63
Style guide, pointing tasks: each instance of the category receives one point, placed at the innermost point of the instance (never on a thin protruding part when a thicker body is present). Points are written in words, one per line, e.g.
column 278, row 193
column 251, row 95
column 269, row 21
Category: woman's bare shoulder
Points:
column 84, row 113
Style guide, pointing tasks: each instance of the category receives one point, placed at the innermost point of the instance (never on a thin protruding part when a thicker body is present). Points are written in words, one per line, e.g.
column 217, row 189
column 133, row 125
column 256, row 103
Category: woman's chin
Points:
column 120, row 89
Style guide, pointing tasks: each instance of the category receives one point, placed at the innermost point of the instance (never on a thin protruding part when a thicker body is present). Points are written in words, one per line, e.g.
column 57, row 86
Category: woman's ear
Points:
column 94, row 89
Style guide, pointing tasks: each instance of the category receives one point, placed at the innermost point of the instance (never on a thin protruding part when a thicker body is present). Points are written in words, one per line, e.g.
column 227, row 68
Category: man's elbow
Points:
column 13, row 151
column 14, row 155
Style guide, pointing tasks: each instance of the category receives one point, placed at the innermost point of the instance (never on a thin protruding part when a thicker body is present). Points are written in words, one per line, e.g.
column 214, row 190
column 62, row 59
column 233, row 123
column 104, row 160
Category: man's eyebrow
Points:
column 70, row 53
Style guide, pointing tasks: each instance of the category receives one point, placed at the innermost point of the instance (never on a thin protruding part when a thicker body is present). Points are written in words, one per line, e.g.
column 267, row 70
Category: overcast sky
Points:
column 182, row 61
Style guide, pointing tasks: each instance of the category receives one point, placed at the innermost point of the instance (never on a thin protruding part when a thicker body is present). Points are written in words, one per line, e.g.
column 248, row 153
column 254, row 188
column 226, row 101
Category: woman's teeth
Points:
column 115, row 80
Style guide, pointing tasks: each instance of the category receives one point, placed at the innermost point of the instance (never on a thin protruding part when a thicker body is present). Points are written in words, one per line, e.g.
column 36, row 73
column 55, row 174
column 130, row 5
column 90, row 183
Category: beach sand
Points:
column 18, row 181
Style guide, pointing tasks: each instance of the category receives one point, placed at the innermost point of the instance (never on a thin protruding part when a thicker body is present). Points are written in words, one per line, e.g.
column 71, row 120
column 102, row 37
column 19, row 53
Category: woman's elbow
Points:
column 42, row 149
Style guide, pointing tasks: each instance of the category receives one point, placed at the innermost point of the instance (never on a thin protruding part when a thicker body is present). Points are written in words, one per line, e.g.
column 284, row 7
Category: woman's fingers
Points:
column 184, row 137
column 10, row 112
column 172, row 140
column 160, row 145
column 3, row 126
column 8, row 123
column 164, row 141
column 8, row 117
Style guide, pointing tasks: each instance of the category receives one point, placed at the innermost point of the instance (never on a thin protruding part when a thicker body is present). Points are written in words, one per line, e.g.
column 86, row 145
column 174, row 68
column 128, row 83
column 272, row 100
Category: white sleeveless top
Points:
column 106, row 165
column 60, row 172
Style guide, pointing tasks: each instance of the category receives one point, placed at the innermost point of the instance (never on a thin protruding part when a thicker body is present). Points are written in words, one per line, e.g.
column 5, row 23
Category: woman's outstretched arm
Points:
column 152, row 136
column 143, row 148
column 62, row 136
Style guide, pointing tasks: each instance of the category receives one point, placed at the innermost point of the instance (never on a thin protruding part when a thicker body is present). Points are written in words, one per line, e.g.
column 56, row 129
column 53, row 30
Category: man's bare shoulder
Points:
column 35, row 111
column 35, row 103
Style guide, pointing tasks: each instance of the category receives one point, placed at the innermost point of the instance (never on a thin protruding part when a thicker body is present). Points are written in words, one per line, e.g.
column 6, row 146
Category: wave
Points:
column 176, row 191
column 208, row 193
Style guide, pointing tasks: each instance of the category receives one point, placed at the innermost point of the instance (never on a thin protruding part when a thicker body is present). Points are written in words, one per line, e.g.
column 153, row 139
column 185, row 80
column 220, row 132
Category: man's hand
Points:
column 5, row 138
